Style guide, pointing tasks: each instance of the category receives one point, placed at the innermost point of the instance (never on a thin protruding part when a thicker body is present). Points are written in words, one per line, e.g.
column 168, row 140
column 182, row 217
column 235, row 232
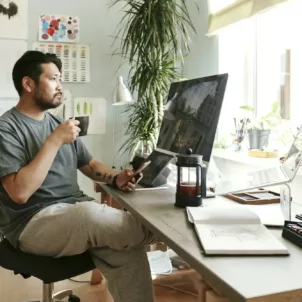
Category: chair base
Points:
column 49, row 296
column 51, row 301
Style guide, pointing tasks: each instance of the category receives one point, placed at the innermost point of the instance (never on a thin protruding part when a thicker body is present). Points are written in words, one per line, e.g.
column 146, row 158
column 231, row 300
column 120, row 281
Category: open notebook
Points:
column 233, row 231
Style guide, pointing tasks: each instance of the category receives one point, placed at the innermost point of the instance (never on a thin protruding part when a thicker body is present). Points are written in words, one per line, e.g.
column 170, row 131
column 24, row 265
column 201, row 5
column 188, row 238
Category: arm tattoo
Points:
column 99, row 174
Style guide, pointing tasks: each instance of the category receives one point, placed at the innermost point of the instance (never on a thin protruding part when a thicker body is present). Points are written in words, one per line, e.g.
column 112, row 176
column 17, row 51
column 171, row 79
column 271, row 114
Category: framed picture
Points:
column 13, row 19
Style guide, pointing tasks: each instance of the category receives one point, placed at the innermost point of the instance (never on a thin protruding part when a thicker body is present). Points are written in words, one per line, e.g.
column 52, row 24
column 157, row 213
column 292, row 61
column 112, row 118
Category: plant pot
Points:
column 258, row 139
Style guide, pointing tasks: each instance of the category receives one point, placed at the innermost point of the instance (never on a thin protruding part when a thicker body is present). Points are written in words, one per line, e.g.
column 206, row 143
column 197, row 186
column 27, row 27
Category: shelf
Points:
column 243, row 158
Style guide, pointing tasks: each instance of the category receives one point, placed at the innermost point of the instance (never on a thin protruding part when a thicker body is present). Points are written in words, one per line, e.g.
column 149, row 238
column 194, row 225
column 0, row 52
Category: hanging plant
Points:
column 10, row 11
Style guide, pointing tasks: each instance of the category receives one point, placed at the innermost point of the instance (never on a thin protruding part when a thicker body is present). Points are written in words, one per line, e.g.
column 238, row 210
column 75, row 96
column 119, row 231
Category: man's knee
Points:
column 119, row 229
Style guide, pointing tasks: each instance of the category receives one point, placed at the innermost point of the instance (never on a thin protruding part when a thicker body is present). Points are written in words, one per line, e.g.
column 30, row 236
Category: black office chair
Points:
column 47, row 269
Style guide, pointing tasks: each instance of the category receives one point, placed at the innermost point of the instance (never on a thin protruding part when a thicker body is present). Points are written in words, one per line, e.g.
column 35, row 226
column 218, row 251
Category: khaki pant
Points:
column 114, row 238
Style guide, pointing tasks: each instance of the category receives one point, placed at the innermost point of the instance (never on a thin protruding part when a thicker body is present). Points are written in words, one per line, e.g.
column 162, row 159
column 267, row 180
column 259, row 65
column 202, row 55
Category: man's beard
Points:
column 46, row 104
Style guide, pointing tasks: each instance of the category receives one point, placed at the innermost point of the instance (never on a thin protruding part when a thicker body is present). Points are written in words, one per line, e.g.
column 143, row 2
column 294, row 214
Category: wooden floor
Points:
column 16, row 289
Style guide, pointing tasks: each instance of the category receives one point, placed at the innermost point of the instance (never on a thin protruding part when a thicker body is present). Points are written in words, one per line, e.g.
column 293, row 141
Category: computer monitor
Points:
column 191, row 116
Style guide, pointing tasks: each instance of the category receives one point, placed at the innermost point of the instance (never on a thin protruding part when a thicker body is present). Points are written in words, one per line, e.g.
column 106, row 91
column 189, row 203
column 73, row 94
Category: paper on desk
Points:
column 269, row 214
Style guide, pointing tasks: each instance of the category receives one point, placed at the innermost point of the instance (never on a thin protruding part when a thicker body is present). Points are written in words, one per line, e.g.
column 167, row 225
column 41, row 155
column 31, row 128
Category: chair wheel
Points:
column 73, row 298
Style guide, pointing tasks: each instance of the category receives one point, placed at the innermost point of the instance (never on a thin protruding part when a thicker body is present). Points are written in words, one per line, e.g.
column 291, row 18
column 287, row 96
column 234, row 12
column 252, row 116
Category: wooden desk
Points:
column 106, row 197
column 240, row 278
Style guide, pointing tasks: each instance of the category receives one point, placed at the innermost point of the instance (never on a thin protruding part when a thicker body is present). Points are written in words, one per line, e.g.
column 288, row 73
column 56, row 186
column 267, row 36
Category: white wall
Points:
column 203, row 58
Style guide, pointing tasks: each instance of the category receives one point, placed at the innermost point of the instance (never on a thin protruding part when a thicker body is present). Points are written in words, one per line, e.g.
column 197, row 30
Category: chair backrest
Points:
column 47, row 269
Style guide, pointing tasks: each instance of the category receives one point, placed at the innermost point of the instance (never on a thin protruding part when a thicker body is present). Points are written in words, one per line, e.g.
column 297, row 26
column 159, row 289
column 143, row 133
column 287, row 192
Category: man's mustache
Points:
column 59, row 93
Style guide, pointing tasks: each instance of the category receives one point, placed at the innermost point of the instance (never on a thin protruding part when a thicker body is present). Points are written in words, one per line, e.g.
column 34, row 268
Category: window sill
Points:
column 243, row 158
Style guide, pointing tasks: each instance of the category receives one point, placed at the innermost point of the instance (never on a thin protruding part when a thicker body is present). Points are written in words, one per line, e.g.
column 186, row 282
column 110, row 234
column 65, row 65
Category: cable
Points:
column 167, row 286
column 78, row 281
column 177, row 289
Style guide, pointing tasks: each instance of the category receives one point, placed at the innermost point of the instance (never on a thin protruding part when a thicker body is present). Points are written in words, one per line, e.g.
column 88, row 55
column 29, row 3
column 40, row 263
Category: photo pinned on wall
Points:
column 95, row 108
column 58, row 28
column 13, row 19
column 75, row 60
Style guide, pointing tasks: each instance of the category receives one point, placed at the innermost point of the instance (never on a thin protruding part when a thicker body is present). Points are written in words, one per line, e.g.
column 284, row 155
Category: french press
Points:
column 191, row 180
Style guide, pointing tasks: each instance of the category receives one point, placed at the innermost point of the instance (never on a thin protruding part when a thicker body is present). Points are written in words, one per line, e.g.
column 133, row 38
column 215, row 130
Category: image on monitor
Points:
column 191, row 115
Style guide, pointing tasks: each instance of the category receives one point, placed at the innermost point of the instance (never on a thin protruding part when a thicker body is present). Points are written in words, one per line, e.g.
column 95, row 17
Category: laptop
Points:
column 281, row 174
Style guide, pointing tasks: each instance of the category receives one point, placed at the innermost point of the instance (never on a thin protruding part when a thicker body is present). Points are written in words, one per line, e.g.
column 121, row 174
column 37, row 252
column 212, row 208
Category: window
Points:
column 263, row 56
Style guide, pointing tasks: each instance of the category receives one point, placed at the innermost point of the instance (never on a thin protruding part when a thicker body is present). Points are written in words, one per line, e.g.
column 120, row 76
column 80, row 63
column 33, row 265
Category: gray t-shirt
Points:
column 21, row 138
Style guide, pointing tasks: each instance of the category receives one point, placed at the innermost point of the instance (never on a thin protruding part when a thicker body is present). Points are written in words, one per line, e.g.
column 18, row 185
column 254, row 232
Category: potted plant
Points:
column 259, row 129
column 154, row 36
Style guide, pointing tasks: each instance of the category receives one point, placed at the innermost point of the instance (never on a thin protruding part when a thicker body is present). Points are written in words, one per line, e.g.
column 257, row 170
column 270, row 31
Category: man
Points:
column 42, row 210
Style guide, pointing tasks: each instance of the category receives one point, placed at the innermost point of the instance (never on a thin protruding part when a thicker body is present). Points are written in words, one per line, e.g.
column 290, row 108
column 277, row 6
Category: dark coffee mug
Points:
column 84, row 123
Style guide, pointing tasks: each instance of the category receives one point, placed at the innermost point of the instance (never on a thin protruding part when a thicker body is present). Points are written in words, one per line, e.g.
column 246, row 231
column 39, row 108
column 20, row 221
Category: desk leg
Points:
column 211, row 296
column 96, row 277
column 206, row 293
column 106, row 198
column 201, row 288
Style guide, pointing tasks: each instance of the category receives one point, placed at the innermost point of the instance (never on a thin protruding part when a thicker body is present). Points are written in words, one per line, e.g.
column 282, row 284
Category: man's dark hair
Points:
column 30, row 65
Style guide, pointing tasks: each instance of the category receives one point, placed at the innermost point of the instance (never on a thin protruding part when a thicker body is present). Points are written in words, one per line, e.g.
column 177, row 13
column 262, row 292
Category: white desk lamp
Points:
column 122, row 96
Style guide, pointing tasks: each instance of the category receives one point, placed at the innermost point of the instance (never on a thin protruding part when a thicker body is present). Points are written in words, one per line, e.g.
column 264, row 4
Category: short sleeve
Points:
column 84, row 157
column 12, row 153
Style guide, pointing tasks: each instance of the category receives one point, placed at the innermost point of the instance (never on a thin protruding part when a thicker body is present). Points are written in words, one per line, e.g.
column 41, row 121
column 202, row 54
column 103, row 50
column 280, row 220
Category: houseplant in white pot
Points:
column 259, row 128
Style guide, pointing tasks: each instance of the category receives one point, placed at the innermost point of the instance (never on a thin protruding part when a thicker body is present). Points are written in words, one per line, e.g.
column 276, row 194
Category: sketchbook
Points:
column 233, row 231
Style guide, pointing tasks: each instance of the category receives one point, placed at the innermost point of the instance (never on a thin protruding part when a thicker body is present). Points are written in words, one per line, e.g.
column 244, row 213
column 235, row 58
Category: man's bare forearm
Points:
column 99, row 172
column 29, row 179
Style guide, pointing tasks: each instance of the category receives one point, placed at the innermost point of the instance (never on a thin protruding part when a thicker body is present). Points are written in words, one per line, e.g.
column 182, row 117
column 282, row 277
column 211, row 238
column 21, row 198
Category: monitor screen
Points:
column 191, row 116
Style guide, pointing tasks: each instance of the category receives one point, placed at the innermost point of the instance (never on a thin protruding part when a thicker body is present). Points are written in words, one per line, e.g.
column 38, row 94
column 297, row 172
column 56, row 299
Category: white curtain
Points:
column 227, row 12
